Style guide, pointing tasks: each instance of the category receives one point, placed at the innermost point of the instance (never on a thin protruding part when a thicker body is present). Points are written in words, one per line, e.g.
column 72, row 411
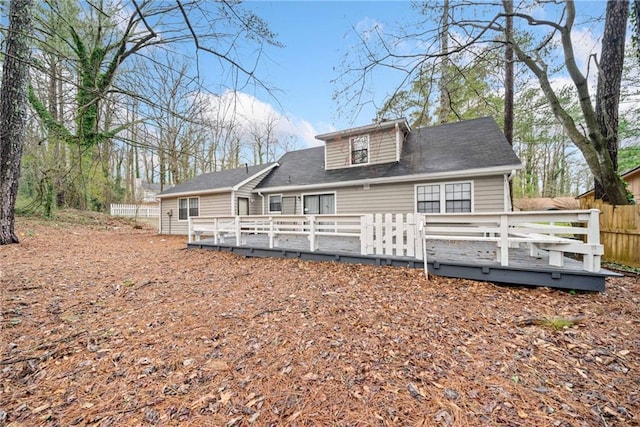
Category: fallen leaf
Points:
column 225, row 396
column 218, row 365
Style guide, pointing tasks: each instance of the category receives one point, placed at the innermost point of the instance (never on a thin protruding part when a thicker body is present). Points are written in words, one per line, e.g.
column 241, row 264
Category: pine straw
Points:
column 111, row 325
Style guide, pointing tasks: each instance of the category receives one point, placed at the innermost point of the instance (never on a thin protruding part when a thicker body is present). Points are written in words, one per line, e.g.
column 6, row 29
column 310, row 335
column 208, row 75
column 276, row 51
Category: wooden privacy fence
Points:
column 619, row 231
column 131, row 211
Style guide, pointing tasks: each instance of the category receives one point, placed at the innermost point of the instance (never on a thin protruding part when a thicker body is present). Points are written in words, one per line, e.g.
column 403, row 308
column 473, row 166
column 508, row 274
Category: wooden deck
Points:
column 476, row 260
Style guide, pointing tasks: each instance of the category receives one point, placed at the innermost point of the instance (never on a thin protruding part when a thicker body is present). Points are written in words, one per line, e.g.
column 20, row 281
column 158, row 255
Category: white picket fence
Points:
column 131, row 211
column 392, row 234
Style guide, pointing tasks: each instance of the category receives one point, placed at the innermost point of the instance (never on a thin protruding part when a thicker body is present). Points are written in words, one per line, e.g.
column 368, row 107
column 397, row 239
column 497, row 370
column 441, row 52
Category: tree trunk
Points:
column 13, row 112
column 443, row 86
column 508, row 81
column 636, row 26
column 593, row 145
column 609, row 78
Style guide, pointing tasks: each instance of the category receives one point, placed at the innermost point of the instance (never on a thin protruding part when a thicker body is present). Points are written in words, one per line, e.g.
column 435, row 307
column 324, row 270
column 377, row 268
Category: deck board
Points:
column 460, row 259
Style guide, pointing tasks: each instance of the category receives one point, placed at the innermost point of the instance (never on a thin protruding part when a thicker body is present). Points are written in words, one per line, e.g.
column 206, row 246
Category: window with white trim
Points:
column 444, row 198
column 458, row 197
column 428, row 198
column 359, row 149
column 275, row 203
column 188, row 207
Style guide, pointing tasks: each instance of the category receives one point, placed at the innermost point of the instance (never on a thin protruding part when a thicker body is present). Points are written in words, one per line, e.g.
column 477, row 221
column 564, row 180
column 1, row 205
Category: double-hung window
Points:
column 458, row 197
column 359, row 149
column 428, row 198
column 188, row 207
column 275, row 203
column 444, row 198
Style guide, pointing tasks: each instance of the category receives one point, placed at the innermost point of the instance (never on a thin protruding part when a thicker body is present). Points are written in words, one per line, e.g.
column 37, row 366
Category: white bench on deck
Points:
column 216, row 227
column 536, row 229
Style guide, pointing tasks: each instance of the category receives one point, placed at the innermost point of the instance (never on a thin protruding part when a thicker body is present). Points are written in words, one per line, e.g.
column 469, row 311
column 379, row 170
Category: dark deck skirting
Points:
column 474, row 269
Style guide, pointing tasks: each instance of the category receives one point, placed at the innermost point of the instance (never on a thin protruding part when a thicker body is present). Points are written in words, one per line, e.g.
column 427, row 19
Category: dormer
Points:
column 365, row 145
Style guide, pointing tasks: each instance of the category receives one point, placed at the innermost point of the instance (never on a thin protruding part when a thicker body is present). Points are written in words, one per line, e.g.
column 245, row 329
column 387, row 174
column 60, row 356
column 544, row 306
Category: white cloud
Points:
column 585, row 44
column 248, row 111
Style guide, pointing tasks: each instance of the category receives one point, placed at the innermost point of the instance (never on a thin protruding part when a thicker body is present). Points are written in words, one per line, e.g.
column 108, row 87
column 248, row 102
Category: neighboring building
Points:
column 145, row 192
column 380, row 168
column 545, row 203
column 631, row 177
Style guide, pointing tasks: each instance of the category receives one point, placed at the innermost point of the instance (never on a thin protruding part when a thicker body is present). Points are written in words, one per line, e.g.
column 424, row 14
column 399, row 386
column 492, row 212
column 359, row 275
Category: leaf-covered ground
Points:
column 106, row 324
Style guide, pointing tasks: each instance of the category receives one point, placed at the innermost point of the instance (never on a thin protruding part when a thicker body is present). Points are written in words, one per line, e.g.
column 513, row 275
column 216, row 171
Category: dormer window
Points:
column 359, row 149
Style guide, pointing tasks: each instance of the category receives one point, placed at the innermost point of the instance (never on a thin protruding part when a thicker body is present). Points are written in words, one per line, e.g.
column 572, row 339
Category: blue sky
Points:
column 316, row 35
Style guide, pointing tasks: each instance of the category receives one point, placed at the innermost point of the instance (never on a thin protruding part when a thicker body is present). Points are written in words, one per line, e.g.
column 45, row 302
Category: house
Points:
column 378, row 168
column 145, row 192
column 226, row 192
column 631, row 177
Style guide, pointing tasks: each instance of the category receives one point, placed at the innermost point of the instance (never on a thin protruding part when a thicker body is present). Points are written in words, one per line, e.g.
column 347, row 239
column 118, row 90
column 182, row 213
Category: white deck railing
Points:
column 556, row 232
column 311, row 226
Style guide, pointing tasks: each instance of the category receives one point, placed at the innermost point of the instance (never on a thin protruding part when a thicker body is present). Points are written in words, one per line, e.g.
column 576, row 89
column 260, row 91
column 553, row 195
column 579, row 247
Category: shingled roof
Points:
column 448, row 149
column 212, row 182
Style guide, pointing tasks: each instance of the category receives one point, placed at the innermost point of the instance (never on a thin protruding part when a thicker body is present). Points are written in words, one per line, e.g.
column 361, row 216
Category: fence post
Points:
column 271, row 233
column 591, row 261
column 420, row 223
column 313, row 239
column 503, row 248
column 216, row 239
column 190, row 229
column 238, row 230
column 366, row 234
column 412, row 237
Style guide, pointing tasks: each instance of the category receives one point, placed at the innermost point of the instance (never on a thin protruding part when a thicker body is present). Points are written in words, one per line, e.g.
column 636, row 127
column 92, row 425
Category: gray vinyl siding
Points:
column 489, row 194
column 255, row 202
column 383, row 198
column 382, row 149
column 218, row 204
column 400, row 198
column 337, row 154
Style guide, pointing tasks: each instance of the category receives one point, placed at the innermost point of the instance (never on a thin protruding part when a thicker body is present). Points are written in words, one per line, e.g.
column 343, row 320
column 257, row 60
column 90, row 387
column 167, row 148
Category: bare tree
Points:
column 264, row 139
column 92, row 44
column 13, row 111
column 582, row 130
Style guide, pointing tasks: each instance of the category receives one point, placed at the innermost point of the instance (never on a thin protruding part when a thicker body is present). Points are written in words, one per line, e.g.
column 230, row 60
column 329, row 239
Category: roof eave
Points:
column 254, row 176
column 494, row 170
column 195, row 193
column 362, row 129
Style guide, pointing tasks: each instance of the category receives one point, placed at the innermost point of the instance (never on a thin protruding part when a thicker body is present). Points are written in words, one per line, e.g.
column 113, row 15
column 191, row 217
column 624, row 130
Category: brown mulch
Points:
column 105, row 324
